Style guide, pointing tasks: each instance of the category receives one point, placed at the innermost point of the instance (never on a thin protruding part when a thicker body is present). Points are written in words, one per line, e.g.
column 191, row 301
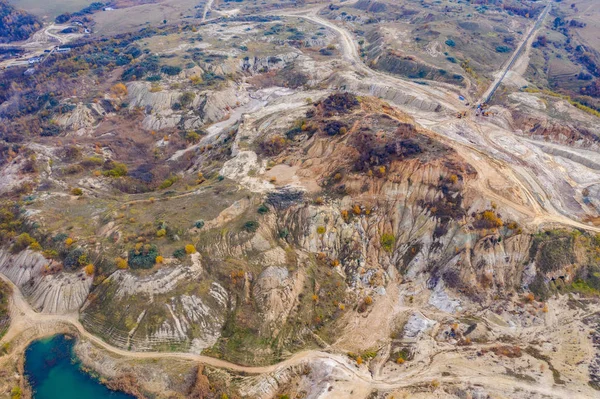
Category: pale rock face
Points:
column 59, row 293
column 275, row 292
column 245, row 168
column 417, row 325
column 83, row 116
column 207, row 106
column 394, row 95
column 442, row 300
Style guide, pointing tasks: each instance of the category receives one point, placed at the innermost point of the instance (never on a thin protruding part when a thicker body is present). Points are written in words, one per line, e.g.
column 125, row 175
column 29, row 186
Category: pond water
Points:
column 54, row 372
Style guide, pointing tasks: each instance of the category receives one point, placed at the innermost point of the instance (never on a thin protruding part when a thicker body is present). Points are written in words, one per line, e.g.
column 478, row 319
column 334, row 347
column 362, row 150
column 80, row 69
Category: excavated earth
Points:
column 351, row 238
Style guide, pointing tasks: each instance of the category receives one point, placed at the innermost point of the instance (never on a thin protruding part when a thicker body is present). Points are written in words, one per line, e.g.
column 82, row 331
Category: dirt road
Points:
column 501, row 74
column 487, row 165
column 23, row 317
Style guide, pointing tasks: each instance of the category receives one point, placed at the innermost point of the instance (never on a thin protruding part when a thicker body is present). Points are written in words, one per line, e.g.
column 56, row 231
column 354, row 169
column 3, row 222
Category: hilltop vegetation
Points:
column 16, row 25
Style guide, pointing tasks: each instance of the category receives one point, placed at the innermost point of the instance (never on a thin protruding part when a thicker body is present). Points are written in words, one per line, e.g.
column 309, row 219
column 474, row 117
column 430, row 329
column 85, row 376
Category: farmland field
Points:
column 50, row 9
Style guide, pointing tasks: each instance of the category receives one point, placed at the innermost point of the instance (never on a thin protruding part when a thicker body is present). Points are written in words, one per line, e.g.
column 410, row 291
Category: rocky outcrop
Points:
column 275, row 292
column 206, row 107
column 82, row 117
column 48, row 293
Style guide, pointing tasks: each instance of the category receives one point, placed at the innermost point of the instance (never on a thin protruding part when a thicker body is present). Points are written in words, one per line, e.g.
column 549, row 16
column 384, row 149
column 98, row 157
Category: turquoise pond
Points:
column 54, row 372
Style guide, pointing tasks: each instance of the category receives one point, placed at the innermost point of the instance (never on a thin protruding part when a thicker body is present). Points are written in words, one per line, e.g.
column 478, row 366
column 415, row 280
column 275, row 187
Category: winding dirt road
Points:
column 23, row 317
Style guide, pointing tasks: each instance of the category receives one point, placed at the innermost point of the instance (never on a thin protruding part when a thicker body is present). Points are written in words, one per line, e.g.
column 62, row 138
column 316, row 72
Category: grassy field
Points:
column 50, row 9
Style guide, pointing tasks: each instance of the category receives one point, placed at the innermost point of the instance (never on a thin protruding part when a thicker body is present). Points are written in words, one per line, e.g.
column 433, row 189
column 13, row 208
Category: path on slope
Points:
column 501, row 74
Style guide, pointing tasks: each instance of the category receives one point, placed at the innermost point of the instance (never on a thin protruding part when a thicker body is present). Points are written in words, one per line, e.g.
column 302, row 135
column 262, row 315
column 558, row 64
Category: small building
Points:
column 63, row 50
column 35, row 60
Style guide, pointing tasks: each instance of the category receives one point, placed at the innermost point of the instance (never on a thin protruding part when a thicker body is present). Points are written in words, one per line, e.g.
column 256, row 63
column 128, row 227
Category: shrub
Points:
column 142, row 257
column 190, row 249
column 262, row 209
column 502, row 49
column 334, row 128
column 77, row 191
column 168, row 182
column 170, row 70
column 161, row 233
column 22, row 241
column 121, row 263
column 71, row 261
column 387, row 242
column 115, row 169
column 199, row 224
column 450, row 43
column 179, row 253
column 92, row 161
column 89, row 269
column 68, row 241
column 119, row 90
column 251, row 226
column 321, row 230
column 159, row 259
column 186, row 98
column 339, row 103
column 273, row 146
column 192, row 137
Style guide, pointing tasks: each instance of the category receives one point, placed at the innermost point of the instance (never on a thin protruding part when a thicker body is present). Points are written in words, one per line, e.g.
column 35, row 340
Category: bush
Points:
column 142, row 257
column 186, row 99
column 115, row 169
column 22, row 241
column 119, row 90
column 334, row 128
column 161, row 233
column 71, row 261
column 168, row 182
column 192, row 137
column 199, row 224
column 262, row 209
column 179, row 253
column 503, row 49
column 92, row 161
column 190, row 249
column 170, row 70
column 251, row 226
column 77, row 191
column 89, row 269
column 121, row 263
column 450, row 43
column 387, row 242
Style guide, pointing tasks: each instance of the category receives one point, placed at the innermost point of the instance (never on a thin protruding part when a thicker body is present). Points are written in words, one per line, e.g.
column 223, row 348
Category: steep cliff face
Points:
column 48, row 293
